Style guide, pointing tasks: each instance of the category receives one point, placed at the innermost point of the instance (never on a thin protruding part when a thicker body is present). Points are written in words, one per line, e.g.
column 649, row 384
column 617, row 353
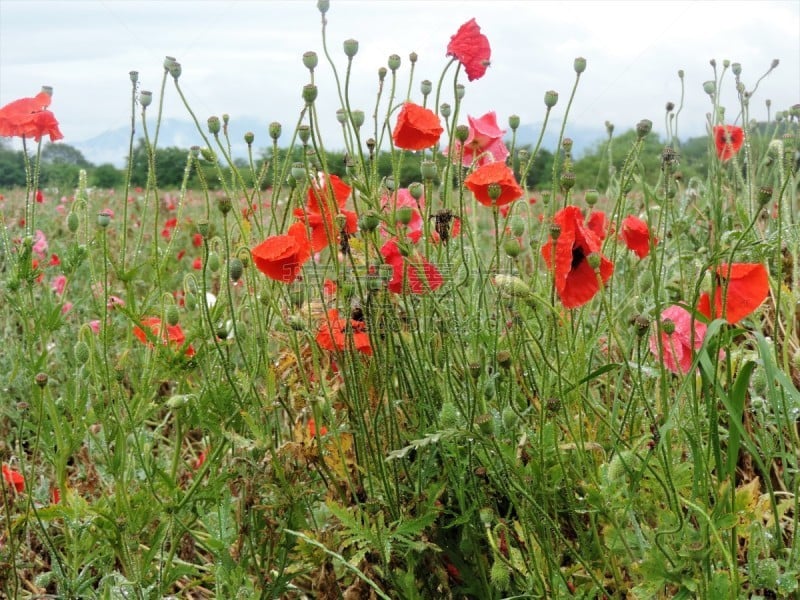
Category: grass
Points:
column 173, row 424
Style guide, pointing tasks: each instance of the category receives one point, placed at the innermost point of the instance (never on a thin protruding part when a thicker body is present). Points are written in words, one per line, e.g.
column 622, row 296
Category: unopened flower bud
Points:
column 145, row 98
column 310, row 60
column 214, row 125
column 486, row 516
column 369, row 221
column 394, row 62
column 579, row 65
column 513, row 122
column 512, row 247
column 404, row 214
column 517, row 225
column 73, row 222
column 382, row 73
column 550, row 98
column 644, row 127
column 713, row 63
column 445, row 109
column 350, row 48
column 426, row 87
column 172, row 315
column 275, row 130
column 249, row 136
column 774, row 64
column 235, row 268
column 670, row 106
column 81, row 350
column 509, row 418
column 213, row 262
column 225, row 119
column 680, row 73
column 208, row 154
column 591, row 197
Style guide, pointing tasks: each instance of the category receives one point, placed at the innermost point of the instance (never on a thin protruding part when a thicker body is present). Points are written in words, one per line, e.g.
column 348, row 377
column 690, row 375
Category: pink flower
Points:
column 66, row 308
column 484, row 144
column 403, row 198
column 94, row 326
column 410, row 273
column 40, row 245
column 58, row 284
column 680, row 345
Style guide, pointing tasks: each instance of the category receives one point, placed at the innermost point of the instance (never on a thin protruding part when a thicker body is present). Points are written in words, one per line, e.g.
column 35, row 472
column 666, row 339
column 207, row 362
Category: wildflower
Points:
column 170, row 335
column 58, row 284
column 728, row 140
column 685, row 336
column 40, row 244
column 200, row 460
column 335, row 333
column 13, row 478
column 740, row 289
column 412, row 274
column 404, row 199
column 281, row 257
column 318, row 215
column 417, row 128
column 636, row 235
column 484, row 144
column 471, row 48
column 598, row 223
column 575, row 280
column 312, row 428
column 28, row 118
column 39, row 197
column 197, row 264
column 489, row 176
column 197, row 240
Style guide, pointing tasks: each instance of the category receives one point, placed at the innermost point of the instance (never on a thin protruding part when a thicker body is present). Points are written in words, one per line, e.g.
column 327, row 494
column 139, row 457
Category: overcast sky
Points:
column 243, row 57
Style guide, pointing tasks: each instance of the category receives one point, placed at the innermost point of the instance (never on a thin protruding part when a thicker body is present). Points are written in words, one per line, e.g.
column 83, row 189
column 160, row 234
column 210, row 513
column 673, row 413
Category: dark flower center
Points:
column 577, row 256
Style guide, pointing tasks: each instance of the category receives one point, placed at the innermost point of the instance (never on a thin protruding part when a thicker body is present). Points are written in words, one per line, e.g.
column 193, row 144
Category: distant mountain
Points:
column 112, row 146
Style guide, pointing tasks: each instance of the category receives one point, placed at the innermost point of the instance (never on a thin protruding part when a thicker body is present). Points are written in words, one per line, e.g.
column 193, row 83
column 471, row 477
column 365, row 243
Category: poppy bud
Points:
column 382, row 74
column 41, row 379
column 550, row 98
column 369, row 221
column 323, row 6
column 523, row 155
column 394, row 62
column 517, row 226
column 416, row 190
column 235, row 268
column 208, row 154
column 668, row 326
column 310, row 60
column 203, row 228
column 642, row 324
column 225, row 119
column 426, row 87
column 513, row 122
column 579, row 65
column 214, row 125
column 357, row 117
column 485, row 423
column 73, row 222
column 249, row 137
column 764, row 194
column 404, row 214
column 428, row 170
column 275, row 130
column 593, row 260
column 643, row 127
column 413, row 58
column 213, row 262
column 460, row 91
column 509, row 418
column 504, row 359
column 350, row 48
column 462, row 133
column 445, row 109
column 512, row 247
column 103, row 218
column 145, row 98
column 448, row 415
column 134, row 75
column 567, row 180
column 224, row 205
column 304, row 133
column 486, row 516
column 309, row 93
column 670, row 106
column 566, row 144
column 709, row 87
column 172, row 315
column 500, row 575
column 81, row 350
column 591, row 197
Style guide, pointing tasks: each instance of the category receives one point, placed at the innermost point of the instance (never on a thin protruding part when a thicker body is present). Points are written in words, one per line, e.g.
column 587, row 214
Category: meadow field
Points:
column 297, row 379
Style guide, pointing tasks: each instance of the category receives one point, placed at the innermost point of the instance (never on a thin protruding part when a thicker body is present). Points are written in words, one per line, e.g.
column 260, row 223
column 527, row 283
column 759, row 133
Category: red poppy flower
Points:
column 728, row 139
column 14, row 478
column 39, row 196
column 320, row 210
column 740, row 289
column 471, row 48
column 312, row 428
column 280, row 257
column 171, row 334
column 483, row 178
column 598, row 223
column 28, row 117
column 417, row 128
column 636, row 235
column 410, row 274
column 576, row 282
column 680, row 345
column 197, row 240
column 336, row 333
column 484, row 144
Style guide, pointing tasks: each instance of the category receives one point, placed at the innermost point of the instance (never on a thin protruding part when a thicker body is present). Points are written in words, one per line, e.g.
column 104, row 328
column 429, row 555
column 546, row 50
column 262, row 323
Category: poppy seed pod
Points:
column 593, row 260
column 550, row 98
column 275, row 130
column 765, row 194
column 591, row 197
column 404, row 214
column 249, row 136
column 310, row 60
column 567, row 180
column 350, row 48
column 462, row 133
column 224, row 205
column 709, row 87
column 412, row 57
column 566, row 144
column 736, row 69
column 134, row 75
column 513, row 122
column 341, row 116
column 145, row 98
column 214, row 125
column 304, row 133
column 309, row 93
column 357, row 116
column 642, row 324
column 394, row 62
column 644, row 127
column 460, row 91
column 668, row 326
column 175, row 70
column 445, row 109
column 41, row 379
column 168, row 62
column 323, row 6
column 670, row 106
column 103, row 218
column 298, row 171
column 428, row 170
column 426, row 87
column 579, row 65
column 416, row 190
column 382, row 74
